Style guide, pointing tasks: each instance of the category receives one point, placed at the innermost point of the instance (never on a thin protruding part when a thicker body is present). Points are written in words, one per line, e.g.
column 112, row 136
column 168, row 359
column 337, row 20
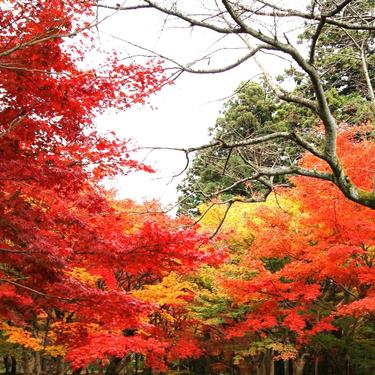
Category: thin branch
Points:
column 13, row 124
column 338, row 8
column 35, row 291
column 293, row 13
column 224, row 145
column 119, row 7
column 229, row 205
column 53, row 34
column 192, row 21
column 12, row 251
column 314, row 39
column 295, row 170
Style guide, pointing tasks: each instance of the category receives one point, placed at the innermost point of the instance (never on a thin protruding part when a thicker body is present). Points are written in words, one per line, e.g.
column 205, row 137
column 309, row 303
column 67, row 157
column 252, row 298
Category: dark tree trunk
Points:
column 6, row 364
column 113, row 366
column 13, row 370
column 60, row 366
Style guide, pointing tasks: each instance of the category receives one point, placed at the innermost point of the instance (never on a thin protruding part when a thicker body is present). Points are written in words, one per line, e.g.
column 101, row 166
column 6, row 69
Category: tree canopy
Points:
column 260, row 27
column 90, row 283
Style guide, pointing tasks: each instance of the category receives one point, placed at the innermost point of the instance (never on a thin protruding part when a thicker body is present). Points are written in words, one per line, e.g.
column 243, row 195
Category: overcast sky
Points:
column 183, row 112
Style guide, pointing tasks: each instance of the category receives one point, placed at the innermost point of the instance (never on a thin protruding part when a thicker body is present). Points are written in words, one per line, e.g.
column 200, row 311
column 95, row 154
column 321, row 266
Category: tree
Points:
column 252, row 112
column 346, row 55
column 52, row 159
column 308, row 289
column 70, row 254
column 258, row 26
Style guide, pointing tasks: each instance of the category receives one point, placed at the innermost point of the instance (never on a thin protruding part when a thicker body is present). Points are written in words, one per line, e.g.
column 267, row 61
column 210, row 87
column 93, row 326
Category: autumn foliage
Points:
column 309, row 277
column 70, row 254
column 88, row 280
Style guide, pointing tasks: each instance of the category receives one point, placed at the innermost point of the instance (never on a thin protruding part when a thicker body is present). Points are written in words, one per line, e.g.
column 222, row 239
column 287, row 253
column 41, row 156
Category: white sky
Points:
column 184, row 111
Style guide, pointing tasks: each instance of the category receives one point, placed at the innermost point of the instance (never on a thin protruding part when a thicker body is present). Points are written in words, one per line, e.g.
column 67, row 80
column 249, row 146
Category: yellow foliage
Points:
column 171, row 291
column 72, row 328
column 55, row 350
column 81, row 274
column 9, row 242
column 17, row 335
column 20, row 336
column 242, row 216
column 42, row 315
column 280, row 350
column 166, row 316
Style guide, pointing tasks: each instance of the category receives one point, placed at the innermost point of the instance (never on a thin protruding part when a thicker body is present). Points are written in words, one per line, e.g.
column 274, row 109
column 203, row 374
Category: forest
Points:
column 268, row 266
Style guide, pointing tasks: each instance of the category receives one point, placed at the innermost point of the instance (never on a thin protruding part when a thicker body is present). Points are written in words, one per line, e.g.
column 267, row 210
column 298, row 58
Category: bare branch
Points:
column 296, row 171
column 338, row 8
column 13, row 124
column 13, row 251
column 277, row 11
column 119, row 7
column 223, row 144
column 315, row 38
column 233, row 18
column 53, row 34
column 192, row 21
column 12, row 282
column 229, row 205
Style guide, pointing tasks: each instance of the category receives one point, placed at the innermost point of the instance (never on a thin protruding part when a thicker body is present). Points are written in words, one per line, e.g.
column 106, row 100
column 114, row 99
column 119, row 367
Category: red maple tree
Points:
column 70, row 254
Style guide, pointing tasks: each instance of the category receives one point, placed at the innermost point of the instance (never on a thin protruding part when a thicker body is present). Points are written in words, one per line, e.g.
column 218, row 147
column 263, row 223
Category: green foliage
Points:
column 343, row 57
column 275, row 264
column 253, row 111
column 338, row 52
column 211, row 304
column 342, row 351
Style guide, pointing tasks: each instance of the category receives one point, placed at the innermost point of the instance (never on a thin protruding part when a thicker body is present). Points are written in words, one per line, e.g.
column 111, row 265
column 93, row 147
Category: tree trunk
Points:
column 259, row 363
column 13, row 370
column 37, row 364
column 268, row 362
column 60, row 366
column 266, row 366
column 286, row 367
column 245, row 368
column 298, row 365
column 10, row 364
column 113, row 366
column 27, row 363
column 316, row 366
column 136, row 364
column 200, row 366
column 6, row 365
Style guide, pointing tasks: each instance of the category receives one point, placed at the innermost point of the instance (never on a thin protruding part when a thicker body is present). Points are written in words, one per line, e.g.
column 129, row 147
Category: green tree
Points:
column 330, row 76
column 345, row 62
column 251, row 112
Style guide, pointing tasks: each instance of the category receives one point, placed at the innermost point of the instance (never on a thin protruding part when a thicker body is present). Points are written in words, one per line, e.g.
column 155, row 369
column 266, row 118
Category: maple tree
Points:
column 70, row 254
column 308, row 254
column 91, row 282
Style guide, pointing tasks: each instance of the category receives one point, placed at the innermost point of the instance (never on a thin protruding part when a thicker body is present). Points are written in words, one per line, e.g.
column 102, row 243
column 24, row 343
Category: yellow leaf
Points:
column 17, row 335
column 171, row 291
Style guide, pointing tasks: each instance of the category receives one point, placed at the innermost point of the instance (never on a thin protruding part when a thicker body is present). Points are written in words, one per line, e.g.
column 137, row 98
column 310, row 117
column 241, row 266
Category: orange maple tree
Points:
column 314, row 265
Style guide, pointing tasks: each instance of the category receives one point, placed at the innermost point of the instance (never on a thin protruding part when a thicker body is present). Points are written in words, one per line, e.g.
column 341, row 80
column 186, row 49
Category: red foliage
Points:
column 54, row 216
column 327, row 249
